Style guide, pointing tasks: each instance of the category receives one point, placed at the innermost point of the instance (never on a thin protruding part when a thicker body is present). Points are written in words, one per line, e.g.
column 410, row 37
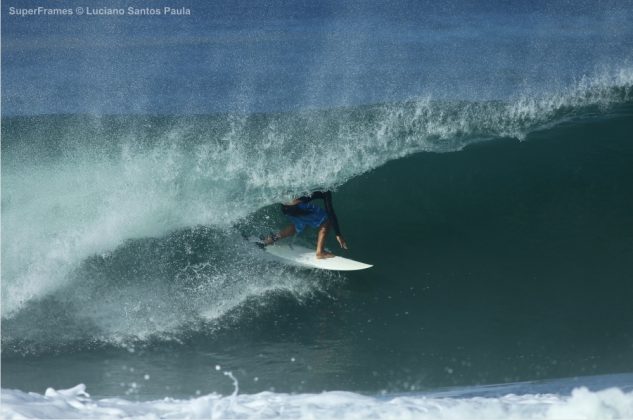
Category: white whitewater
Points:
column 582, row 403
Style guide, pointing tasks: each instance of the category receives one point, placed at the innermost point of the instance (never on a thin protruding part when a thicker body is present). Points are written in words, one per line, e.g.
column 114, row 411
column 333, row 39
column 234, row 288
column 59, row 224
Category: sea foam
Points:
column 582, row 403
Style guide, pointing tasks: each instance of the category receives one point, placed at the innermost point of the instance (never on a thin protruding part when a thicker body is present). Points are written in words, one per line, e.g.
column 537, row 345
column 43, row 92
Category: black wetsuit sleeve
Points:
column 329, row 208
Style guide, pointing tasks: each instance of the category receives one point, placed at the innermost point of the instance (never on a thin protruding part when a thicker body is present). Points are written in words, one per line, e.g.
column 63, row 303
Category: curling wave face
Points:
column 81, row 195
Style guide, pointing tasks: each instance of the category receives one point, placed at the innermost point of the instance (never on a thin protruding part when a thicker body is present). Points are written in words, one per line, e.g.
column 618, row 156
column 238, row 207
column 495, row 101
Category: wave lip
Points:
column 612, row 403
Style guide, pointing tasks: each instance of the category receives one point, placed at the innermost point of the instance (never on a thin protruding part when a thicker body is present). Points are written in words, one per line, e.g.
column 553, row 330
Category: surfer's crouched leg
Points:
column 284, row 233
column 321, row 253
column 268, row 240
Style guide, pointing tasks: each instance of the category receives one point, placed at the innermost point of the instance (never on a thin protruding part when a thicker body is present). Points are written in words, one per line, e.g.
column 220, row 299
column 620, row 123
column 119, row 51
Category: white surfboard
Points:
column 302, row 256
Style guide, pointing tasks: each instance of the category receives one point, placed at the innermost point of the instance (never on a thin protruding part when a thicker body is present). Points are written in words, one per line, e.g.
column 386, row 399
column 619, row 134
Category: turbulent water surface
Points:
column 481, row 159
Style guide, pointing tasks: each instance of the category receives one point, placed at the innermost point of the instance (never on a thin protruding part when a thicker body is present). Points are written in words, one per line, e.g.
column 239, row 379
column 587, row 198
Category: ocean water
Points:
column 481, row 158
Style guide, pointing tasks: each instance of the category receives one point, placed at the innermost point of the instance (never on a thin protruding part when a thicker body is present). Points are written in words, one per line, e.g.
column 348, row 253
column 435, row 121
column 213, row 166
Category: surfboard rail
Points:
column 301, row 256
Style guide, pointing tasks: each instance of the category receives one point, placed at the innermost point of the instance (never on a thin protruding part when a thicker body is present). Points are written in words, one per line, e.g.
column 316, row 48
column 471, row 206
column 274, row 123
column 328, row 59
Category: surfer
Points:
column 302, row 212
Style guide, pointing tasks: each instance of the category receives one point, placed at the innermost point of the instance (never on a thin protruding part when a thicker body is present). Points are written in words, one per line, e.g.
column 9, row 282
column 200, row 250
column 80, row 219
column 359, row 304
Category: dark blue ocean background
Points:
column 254, row 56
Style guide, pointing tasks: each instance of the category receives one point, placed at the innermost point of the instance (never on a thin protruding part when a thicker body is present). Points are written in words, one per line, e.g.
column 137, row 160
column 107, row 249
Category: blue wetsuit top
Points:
column 326, row 196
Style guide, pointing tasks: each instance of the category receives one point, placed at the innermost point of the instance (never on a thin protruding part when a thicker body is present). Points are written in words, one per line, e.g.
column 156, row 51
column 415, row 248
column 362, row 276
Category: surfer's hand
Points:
column 341, row 241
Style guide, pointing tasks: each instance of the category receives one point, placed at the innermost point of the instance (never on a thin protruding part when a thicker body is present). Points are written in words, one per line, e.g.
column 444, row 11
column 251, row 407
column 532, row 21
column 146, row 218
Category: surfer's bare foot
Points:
column 324, row 254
